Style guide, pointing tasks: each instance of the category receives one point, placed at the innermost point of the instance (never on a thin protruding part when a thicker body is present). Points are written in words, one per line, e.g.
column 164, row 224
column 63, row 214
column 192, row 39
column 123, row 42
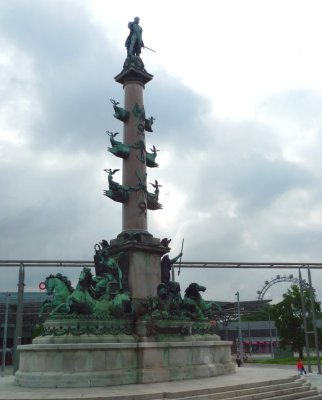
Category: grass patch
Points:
column 281, row 361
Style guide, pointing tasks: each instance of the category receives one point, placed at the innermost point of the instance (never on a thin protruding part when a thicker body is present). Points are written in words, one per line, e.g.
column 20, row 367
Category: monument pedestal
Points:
column 85, row 361
column 142, row 263
column 173, row 361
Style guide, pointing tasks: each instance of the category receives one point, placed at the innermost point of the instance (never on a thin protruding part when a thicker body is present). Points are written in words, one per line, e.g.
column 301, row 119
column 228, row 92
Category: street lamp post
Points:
column 19, row 318
column 307, row 346
column 270, row 335
column 249, row 341
column 316, row 340
column 5, row 329
column 240, row 339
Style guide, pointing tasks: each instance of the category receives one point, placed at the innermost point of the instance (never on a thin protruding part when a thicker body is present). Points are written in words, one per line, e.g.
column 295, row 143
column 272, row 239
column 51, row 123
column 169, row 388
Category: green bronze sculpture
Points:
column 168, row 302
column 133, row 62
column 119, row 112
column 108, row 272
column 166, row 265
column 105, row 295
column 152, row 203
column 79, row 301
column 134, row 42
column 156, row 187
column 141, row 187
column 148, row 124
column 194, row 305
column 60, row 288
column 118, row 148
column 150, row 158
column 175, row 294
column 116, row 191
column 161, row 304
column 144, row 156
column 82, row 301
column 101, row 255
column 139, row 114
column 153, row 198
column 142, row 151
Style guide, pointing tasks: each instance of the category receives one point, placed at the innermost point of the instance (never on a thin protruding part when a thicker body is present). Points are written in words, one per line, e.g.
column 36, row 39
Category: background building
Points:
column 31, row 306
column 257, row 336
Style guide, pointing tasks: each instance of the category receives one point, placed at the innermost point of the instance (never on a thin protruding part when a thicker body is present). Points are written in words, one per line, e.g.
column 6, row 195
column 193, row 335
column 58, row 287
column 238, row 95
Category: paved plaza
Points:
column 245, row 374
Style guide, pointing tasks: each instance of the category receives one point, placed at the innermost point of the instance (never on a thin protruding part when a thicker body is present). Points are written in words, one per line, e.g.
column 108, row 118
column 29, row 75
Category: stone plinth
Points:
column 106, row 364
column 172, row 361
column 77, row 365
column 85, row 353
column 143, row 253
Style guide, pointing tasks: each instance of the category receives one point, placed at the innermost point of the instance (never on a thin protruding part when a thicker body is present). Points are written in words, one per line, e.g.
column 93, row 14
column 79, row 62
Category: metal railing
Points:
column 22, row 264
column 183, row 264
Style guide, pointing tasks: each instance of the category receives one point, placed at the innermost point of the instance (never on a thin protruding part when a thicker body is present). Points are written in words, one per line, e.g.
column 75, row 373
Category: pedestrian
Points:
column 300, row 367
column 238, row 360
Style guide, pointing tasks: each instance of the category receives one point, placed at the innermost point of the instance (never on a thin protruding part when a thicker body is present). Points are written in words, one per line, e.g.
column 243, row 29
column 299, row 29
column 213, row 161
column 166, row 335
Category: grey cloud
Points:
column 246, row 166
column 301, row 106
column 62, row 213
column 257, row 182
column 50, row 32
column 179, row 112
column 304, row 244
column 54, row 214
column 74, row 68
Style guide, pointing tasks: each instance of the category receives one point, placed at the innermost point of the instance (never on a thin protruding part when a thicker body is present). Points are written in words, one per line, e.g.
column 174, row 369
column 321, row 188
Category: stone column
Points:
column 133, row 78
column 134, row 212
column 143, row 250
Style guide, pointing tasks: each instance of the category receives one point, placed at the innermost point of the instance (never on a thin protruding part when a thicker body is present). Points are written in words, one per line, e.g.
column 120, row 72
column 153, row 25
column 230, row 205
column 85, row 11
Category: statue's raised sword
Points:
column 180, row 256
column 149, row 49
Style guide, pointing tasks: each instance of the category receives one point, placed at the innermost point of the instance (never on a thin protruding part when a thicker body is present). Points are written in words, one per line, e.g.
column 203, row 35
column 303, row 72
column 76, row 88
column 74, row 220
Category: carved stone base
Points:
column 77, row 365
column 86, row 352
column 86, row 330
column 106, row 364
column 174, row 330
column 174, row 361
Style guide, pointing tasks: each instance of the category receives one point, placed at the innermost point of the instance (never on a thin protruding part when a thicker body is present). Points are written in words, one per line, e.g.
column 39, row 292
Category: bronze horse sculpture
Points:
column 81, row 300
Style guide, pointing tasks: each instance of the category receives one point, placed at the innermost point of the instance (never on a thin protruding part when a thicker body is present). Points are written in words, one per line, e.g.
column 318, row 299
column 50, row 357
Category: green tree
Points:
column 288, row 318
column 259, row 315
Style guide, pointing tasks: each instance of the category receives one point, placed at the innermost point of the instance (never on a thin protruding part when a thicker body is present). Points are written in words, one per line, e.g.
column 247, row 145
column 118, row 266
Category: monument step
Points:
column 292, row 387
column 284, row 389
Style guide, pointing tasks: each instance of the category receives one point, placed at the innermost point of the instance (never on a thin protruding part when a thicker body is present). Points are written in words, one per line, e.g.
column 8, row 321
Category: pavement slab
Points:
column 245, row 374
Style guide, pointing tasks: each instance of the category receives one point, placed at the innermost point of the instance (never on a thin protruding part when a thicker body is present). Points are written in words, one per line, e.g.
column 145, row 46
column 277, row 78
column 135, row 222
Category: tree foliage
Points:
column 288, row 318
column 260, row 315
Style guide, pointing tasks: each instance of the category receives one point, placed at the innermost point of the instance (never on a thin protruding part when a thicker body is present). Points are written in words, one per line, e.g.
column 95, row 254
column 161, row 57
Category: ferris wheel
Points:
column 273, row 281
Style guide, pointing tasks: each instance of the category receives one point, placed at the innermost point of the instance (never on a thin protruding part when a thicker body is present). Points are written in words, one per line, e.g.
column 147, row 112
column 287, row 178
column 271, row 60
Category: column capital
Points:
column 133, row 70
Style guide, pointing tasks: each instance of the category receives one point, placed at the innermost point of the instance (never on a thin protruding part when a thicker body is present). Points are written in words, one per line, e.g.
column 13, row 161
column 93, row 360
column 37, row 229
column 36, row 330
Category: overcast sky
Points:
column 237, row 97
